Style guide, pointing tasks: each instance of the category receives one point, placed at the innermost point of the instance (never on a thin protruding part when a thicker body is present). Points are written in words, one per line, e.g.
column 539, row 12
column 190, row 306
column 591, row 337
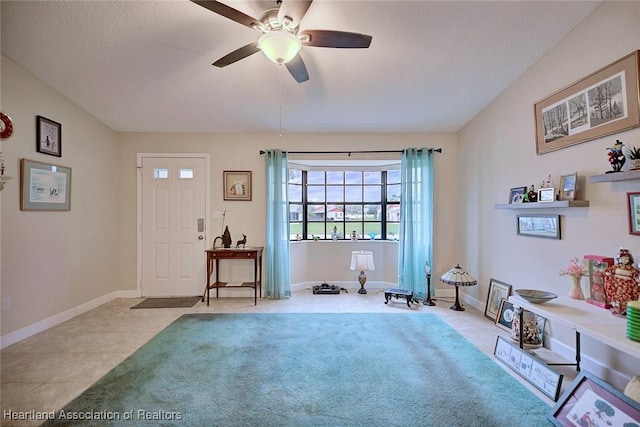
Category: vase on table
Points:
column 576, row 289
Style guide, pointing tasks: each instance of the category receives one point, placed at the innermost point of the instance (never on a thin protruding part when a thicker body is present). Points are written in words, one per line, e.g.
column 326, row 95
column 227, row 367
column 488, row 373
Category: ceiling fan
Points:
column 280, row 40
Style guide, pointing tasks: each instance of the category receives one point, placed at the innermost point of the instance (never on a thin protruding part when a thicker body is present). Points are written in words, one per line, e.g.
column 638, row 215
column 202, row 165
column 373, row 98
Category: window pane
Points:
column 338, row 228
column 372, row 212
column 335, row 177
column 295, row 213
column 315, row 177
column 372, row 177
column 335, row 193
column 315, row 194
column 372, row 230
column 373, row 193
column 295, row 230
column 393, row 193
column 160, row 173
column 186, row 173
column 295, row 176
column 335, row 213
column 315, row 213
column 295, row 193
column 353, row 177
column 316, row 229
column 354, row 194
column 357, row 227
column 393, row 213
column 353, row 213
column 393, row 176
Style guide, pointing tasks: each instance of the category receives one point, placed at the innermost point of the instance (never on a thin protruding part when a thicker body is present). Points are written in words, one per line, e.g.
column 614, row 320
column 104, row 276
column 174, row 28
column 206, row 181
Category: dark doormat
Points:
column 167, row 302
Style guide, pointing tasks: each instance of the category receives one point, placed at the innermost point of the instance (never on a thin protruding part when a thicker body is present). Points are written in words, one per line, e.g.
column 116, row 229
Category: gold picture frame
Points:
column 603, row 103
column 237, row 185
column 568, row 186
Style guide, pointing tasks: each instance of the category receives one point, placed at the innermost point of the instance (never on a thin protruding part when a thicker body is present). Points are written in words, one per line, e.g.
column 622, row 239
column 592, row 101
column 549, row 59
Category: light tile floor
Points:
column 49, row 369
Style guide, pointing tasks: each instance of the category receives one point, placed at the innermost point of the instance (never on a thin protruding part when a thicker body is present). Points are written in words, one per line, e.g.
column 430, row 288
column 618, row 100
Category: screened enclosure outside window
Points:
column 328, row 203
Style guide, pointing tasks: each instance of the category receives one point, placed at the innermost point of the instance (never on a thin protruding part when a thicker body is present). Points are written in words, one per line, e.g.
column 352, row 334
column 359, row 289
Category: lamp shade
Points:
column 362, row 260
column 458, row 277
column 279, row 46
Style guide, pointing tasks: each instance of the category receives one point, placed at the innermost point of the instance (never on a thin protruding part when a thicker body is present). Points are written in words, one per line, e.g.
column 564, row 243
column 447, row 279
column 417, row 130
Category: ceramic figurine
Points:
column 616, row 156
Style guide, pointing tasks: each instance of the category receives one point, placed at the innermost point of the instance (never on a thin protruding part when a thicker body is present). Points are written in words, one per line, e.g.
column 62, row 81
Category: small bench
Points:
column 398, row 293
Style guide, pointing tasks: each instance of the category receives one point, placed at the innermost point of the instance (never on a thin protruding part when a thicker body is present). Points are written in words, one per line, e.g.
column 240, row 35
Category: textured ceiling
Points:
column 146, row 66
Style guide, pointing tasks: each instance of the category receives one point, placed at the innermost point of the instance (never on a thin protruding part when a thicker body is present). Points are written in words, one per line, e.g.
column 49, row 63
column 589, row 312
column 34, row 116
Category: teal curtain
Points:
column 416, row 220
column 277, row 280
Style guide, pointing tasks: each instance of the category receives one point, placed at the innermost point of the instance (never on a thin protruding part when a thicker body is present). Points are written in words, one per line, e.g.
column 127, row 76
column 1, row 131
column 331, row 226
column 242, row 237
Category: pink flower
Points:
column 574, row 269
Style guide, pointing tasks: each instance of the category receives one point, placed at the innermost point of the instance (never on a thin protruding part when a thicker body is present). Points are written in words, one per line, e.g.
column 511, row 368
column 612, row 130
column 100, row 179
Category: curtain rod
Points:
column 437, row 150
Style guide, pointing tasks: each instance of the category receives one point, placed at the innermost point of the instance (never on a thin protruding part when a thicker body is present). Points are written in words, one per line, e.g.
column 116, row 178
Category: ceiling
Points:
column 146, row 66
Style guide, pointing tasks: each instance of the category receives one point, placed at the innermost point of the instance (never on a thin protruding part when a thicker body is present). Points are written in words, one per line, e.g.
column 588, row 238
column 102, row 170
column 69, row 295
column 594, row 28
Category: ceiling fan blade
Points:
column 229, row 12
column 339, row 39
column 297, row 69
column 293, row 10
column 237, row 55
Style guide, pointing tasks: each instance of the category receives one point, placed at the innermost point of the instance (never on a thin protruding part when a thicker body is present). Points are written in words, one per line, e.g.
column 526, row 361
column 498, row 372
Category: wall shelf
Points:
column 545, row 205
column 615, row 176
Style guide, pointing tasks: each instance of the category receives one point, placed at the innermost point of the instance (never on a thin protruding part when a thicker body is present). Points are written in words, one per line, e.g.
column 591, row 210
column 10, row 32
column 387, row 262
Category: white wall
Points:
column 55, row 261
column 497, row 152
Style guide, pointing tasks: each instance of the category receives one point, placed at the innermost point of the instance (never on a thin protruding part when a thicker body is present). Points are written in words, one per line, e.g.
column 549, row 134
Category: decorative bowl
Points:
column 535, row 296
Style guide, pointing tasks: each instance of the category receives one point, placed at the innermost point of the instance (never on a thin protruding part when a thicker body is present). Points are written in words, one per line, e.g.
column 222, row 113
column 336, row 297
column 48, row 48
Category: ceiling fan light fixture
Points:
column 279, row 46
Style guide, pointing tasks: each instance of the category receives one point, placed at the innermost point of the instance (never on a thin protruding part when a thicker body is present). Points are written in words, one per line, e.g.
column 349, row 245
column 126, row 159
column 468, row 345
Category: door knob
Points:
column 200, row 237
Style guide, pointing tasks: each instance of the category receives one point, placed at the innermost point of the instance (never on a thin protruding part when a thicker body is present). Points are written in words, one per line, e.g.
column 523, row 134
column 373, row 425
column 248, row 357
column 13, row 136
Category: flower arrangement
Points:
column 574, row 269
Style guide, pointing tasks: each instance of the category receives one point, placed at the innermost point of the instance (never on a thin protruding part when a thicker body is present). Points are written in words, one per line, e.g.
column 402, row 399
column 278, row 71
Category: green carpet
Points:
column 308, row 370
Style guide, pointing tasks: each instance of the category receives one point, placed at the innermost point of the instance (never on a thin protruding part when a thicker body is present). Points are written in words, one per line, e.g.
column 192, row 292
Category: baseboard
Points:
column 43, row 325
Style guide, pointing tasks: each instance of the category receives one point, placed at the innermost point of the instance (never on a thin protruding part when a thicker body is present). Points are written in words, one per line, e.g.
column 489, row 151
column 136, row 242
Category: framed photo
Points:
column 568, row 185
column 516, row 194
column 546, row 226
column 497, row 291
column 49, row 136
column 237, row 185
column 505, row 315
column 633, row 205
column 547, row 194
column 44, row 187
column 529, row 367
column 602, row 103
column 591, row 401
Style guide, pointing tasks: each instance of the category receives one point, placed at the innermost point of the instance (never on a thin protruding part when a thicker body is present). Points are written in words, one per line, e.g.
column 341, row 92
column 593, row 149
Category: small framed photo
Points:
column 497, row 291
column 546, row 194
column 505, row 315
column 568, row 186
column 591, row 401
column 48, row 137
column 633, row 205
column 546, row 226
column 44, row 187
column 237, row 185
column 516, row 194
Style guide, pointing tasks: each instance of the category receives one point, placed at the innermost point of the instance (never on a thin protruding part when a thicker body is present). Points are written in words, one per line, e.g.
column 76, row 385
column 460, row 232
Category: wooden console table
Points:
column 585, row 319
column 254, row 253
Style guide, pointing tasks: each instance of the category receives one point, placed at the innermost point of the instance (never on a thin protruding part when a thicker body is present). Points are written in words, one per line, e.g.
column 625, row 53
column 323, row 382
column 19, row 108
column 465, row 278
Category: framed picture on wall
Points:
column 48, row 137
column 44, row 187
column 237, row 185
column 633, row 205
column 602, row 103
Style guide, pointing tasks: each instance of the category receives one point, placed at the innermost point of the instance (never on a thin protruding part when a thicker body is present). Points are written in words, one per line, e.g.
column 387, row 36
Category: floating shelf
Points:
column 546, row 205
column 615, row 176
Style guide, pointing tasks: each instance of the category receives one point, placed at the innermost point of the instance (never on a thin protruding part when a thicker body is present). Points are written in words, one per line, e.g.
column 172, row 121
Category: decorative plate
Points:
column 6, row 126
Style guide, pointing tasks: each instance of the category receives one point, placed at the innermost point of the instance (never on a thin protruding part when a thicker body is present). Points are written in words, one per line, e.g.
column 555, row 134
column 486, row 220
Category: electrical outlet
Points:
column 6, row 303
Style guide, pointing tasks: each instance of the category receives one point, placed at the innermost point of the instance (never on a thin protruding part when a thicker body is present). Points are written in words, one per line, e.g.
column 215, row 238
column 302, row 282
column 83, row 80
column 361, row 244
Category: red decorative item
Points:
column 621, row 282
column 596, row 265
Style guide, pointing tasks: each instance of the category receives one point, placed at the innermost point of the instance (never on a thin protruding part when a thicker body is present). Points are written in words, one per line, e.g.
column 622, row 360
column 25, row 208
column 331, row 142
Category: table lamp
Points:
column 363, row 261
column 458, row 277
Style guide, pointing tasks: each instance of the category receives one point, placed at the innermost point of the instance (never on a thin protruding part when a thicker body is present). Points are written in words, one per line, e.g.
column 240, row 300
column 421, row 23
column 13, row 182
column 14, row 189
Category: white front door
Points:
column 173, row 225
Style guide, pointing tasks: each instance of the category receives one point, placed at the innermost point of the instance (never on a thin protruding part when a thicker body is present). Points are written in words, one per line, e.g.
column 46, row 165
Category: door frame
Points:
column 207, row 205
